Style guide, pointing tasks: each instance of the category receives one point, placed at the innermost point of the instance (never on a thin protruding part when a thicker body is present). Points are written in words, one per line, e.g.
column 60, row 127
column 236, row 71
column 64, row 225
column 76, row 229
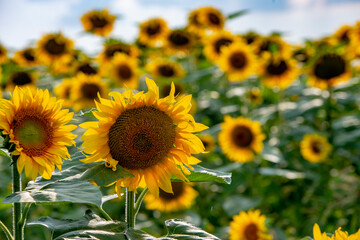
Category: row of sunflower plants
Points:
column 280, row 155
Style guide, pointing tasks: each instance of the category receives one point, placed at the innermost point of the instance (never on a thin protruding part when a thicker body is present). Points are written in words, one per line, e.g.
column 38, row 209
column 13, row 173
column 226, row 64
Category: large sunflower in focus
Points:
column 240, row 138
column 99, row 22
column 153, row 32
column 54, row 48
column 124, row 71
column 216, row 43
column 238, row 61
column 249, row 226
column 163, row 68
column 182, row 198
column 149, row 136
column 36, row 125
column 3, row 54
column 26, row 57
column 328, row 70
column 315, row 148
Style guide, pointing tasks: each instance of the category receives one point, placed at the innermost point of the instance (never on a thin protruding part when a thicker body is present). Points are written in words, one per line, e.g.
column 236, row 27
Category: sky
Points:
column 22, row 22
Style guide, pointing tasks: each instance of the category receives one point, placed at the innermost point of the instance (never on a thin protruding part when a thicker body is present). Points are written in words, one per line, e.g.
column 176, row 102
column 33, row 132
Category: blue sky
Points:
column 24, row 21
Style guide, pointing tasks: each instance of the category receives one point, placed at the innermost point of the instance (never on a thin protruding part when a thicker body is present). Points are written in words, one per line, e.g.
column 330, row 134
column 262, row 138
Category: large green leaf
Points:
column 90, row 226
column 104, row 176
column 201, row 174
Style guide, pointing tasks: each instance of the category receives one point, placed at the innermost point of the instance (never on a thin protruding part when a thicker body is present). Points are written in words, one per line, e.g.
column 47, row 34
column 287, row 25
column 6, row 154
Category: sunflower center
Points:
column 316, row 147
column 250, row 39
column 222, row 42
column 242, row 136
column 277, row 68
column 21, row 78
column 178, row 189
column 124, row 72
column 141, row 137
column 90, row 91
column 98, row 21
column 54, row 47
column 153, row 29
column 238, row 60
column 29, row 55
column 87, row 69
column 178, row 38
column 166, row 71
column 329, row 66
column 121, row 48
column 214, row 19
column 251, row 232
column 33, row 132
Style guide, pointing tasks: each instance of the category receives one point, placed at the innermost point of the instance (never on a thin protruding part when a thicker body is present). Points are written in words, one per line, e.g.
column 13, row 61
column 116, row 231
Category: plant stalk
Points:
column 130, row 211
column 6, row 231
column 18, row 230
column 140, row 200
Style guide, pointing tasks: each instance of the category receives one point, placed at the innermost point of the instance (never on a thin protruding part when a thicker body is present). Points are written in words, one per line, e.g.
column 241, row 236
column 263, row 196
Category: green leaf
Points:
column 90, row 225
column 4, row 153
column 103, row 176
column 89, row 113
column 201, row 174
column 237, row 14
column 134, row 234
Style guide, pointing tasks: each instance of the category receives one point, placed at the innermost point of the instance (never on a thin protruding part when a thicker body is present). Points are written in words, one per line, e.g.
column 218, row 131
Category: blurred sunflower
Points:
column 124, row 71
column 54, row 48
column 328, row 70
column 163, row 68
column 179, row 41
column 153, row 32
column 194, row 25
column 208, row 141
column 86, row 67
column 36, row 125
column 315, row 148
column 3, row 54
column 240, row 138
column 249, row 226
column 238, row 61
column 26, row 57
column 21, row 78
column 273, row 44
column 278, row 72
column 99, row 22
column 211, row 18
column 110, row 49
column 86, row 89
column 342, row 35
column 150, row 137
column 182, row 198
column 250, row 37
column 216, row 42
column 254, row 96
column 62, row 91
column 355, row 40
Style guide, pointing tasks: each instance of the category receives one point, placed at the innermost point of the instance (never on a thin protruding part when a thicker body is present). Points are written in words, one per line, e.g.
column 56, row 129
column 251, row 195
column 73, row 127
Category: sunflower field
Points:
column 189, row 133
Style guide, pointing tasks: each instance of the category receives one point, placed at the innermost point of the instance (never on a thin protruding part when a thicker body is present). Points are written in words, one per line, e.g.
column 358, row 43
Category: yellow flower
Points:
column 153, row 32
column 3, row 54
column 339, row 235
column 194, row 25
column 250, row 37
column 249, row 226
column 179, row 41
column 36, row 125
column 266, row 46
column 342, row 35
column 110, row 49
column 211, row 18
column 86, row 67
column 216, row 42
column 21, row 78
column 163, row 68
column 62, row 91
column 240, row 138
column 355, row 40
column 99, row 22
column 26, row 57
column 238, row 61
column 328, row 70
column 318, row 235
column 182, row 198
column 86, row 89
column 208, row 141
column 315, row 148
column 124, row 71
column 149, row 136
column 254, row 96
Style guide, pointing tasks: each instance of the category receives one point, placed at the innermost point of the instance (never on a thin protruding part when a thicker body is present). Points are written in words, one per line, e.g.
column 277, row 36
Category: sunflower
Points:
column 3, row 54
column 240, row 138
column 194, row 25
column 62, row 91
column 54, row 47
column 36, row 125
column 165, row 89
column 217, row 42
column 86, row 89
column 21, row 78
column 208, row 141
column 238, row 61
column 150, row 137
column 277, row 71
column 110, row 49
column 124, row 71
column 26, row 57
column 211, row 18
column 179, row 41
column 182, row 198
column 85, row 67
column 99, row 22
column 355, row 40
column 339, row 235
column 249, row 226
column 342, row 35
column 302, row 54
column 254, row 96
column 250, row 37
column 315, row 148
column 269, row 45
column 163, row 68
column 153, row 32
column 328, row 70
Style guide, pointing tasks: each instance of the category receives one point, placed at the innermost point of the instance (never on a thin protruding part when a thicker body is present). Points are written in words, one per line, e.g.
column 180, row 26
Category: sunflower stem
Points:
column 140, row 200
column 130, row 204
column 105, row 214
column 22, row 221
column 18, row 230
column 6, row 231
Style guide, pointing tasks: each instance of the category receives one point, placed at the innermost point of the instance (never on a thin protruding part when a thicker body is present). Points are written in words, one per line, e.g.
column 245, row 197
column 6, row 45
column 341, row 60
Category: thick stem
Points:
column 17, row 213
column 139, row 201
column 6, row 231
column 130, row 204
